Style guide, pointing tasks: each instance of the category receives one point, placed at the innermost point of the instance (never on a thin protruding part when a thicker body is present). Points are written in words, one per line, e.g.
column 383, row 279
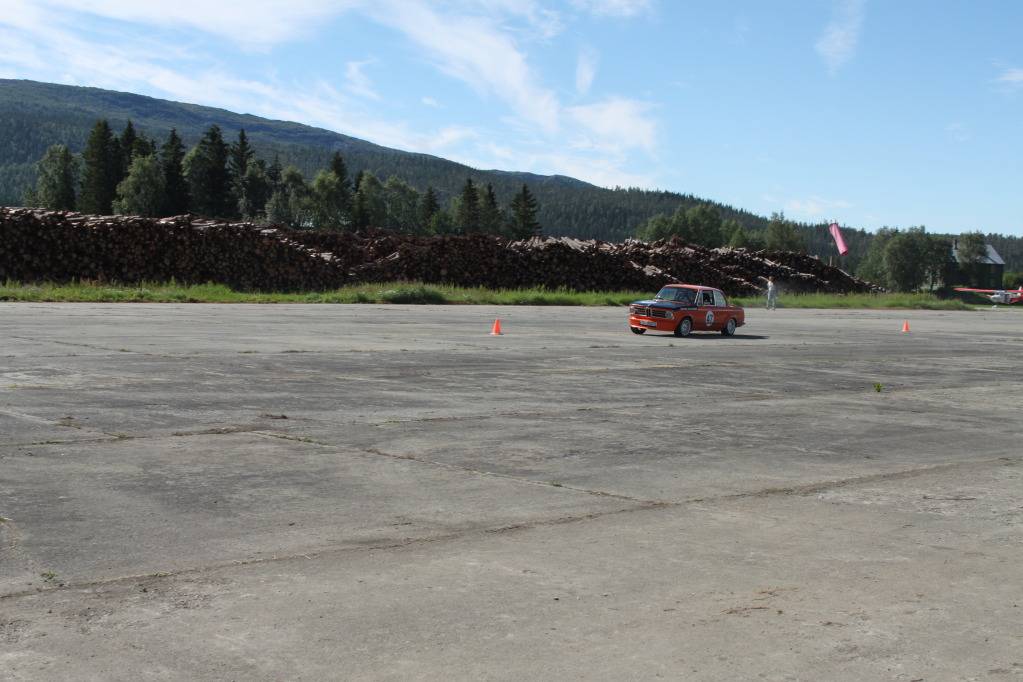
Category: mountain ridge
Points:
column 35, row 115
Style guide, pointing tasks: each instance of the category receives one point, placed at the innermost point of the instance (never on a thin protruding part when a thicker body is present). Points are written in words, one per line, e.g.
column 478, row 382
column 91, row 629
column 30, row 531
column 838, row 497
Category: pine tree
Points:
column 241, row 155
column 58, row 178
column 99, row 178
column 490, row 212
column 172, row 156
column 428, row 207
column 274, row 173
column 253, row 191
column 467, row 216
column 208, row 178
column 337, row 165
column 143, row 146
column 127, row 147
column 142, row 190
column 522, row 222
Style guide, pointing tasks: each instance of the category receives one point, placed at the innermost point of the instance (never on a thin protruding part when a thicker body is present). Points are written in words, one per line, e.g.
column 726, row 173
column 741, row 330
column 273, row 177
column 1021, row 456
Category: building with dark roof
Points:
column 986, row 273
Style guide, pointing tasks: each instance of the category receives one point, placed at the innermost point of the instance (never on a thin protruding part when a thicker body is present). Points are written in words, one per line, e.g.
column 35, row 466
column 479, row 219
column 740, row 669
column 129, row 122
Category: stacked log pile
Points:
column 37, row 245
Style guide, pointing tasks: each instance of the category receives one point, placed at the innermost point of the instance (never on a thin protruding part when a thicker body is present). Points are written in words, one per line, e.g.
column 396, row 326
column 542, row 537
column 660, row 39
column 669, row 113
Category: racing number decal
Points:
column 710, row 318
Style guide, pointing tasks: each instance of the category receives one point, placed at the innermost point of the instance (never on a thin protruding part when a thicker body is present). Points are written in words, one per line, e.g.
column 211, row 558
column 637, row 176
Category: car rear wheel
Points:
column 684, row 327
column 637, row 330
column 729, row 328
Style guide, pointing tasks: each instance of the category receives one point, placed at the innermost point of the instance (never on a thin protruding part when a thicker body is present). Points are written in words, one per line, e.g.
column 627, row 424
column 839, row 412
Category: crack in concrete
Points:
column 509, row 477
column 639, row 506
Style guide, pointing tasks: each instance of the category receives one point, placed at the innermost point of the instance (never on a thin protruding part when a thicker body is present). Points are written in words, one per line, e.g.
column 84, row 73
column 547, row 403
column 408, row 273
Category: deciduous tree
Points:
column 782, row 235
column 142, row 190
column 58, row 178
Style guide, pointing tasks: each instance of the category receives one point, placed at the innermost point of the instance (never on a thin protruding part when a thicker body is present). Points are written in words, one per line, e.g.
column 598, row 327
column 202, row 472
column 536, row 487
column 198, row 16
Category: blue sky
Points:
column 871, row 113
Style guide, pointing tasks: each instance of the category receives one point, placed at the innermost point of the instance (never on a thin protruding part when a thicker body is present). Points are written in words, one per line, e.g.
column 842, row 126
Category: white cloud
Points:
column 613, row 8
column 357, row 82
column 476, row 51
column 1012, row 77
column 837, row 44
column 815, row 208
column 615, row 124
column 253, row 24
column 430, row 102
column 545, row 22
column 585, row 70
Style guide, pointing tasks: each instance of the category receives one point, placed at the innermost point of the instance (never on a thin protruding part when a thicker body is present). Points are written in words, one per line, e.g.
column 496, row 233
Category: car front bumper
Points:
column 654, row 323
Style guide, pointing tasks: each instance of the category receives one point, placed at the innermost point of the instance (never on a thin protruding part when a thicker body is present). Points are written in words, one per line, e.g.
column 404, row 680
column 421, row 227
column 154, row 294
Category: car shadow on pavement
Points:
column 712, row 336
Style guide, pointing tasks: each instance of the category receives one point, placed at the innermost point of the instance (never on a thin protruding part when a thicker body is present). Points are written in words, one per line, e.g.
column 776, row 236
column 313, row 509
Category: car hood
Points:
column 668, row 305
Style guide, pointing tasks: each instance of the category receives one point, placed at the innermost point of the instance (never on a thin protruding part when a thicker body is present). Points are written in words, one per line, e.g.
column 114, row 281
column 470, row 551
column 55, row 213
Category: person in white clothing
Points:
column 772, row 294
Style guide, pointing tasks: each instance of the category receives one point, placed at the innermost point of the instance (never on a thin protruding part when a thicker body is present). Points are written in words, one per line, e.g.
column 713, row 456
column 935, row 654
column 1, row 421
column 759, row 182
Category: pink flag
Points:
column 839, row 242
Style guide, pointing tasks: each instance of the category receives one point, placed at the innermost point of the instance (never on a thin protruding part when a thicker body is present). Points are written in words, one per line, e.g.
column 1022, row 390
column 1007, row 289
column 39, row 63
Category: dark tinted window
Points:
column 676, row 294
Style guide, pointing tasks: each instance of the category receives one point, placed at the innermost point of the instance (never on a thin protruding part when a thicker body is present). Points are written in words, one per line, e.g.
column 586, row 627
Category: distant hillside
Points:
column 35, row 115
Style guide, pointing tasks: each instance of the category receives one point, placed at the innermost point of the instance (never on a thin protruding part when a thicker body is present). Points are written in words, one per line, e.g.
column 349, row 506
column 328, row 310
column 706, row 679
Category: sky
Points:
column 865, row 112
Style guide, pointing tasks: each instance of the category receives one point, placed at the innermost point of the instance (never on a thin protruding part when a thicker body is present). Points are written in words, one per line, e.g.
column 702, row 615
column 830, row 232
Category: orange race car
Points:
column 685, row 308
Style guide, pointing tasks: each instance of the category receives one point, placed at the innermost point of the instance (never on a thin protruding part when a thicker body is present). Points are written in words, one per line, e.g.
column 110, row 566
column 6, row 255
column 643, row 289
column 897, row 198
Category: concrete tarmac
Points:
column 388, row 492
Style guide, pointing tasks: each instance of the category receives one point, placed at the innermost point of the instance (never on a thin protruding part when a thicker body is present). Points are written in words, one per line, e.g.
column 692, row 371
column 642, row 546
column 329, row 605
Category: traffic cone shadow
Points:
column 496, row 331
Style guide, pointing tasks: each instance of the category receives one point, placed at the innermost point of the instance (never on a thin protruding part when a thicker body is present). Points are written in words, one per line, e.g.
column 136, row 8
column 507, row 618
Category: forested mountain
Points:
column 35, row 115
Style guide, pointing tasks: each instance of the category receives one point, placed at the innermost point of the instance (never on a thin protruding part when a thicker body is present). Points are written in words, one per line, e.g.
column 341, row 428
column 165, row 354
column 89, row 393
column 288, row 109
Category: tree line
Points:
column 900, row 260
column 703, row 225
column 130, row 174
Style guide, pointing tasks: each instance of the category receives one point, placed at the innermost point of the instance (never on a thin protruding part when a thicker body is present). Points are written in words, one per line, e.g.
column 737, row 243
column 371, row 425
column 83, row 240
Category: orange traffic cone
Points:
column 496, row 331
column 905, row 327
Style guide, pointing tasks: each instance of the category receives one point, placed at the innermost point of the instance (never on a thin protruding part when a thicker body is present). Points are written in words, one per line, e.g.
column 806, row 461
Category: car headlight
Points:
column 669, row 315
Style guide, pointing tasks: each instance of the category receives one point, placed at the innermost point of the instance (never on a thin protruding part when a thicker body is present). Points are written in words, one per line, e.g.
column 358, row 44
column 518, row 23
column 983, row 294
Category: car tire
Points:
column 637, row 330
column 685, row 327
column 729, row 328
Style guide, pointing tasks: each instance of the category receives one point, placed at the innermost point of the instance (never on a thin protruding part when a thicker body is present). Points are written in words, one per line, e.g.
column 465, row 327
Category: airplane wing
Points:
column 982, row 291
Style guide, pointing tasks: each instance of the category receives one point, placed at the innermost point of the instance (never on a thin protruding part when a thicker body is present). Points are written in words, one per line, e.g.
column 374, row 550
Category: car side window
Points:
column 706, row 298
column 719, row 299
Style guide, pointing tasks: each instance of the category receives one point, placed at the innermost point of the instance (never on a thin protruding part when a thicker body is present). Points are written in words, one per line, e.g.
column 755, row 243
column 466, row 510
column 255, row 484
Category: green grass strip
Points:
column 393, row 292
column 899, row 301
column 418, row 293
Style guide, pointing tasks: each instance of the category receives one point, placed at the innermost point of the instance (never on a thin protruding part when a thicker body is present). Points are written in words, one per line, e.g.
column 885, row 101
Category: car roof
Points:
column 696, row 287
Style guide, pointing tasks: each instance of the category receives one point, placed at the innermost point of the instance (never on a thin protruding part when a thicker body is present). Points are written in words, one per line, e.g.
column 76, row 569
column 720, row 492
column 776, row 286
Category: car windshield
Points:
column 675, row 294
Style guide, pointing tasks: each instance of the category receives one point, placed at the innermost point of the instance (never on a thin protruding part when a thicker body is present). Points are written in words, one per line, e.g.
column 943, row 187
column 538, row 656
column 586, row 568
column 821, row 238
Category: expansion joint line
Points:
column 638, row 506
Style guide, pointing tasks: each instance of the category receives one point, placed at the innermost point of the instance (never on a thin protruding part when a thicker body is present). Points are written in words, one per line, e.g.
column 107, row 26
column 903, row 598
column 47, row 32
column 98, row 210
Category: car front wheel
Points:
column 729, row 328
column 637, row 330
column 684, row 327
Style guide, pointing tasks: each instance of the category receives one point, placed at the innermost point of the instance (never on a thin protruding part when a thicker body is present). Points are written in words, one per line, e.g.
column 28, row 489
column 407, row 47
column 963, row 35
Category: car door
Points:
column 706, row 317
column 722, row 313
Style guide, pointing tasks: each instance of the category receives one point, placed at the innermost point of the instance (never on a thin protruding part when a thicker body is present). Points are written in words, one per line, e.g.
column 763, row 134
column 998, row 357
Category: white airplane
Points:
column 1008, row 297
